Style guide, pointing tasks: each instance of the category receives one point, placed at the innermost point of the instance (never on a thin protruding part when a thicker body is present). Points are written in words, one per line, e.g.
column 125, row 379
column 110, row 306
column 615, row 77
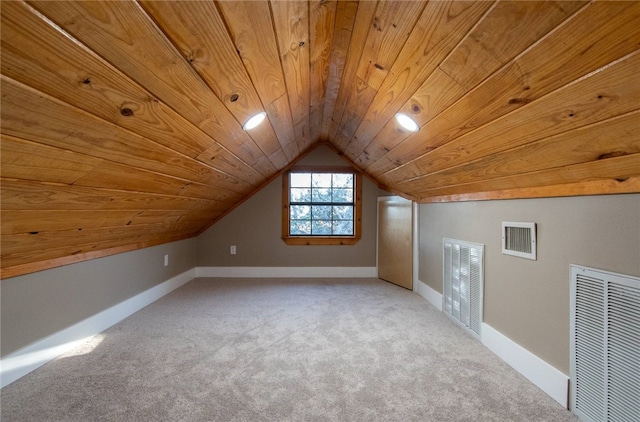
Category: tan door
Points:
column 395, row 240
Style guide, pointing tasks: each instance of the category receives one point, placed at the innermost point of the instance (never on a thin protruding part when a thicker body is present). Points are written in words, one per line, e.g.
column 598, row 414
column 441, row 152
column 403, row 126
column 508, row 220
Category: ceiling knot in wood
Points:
column 521, row 101
column 612, row 154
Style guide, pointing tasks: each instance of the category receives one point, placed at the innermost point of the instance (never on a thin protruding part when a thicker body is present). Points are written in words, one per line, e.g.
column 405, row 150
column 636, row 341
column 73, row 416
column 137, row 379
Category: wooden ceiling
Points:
column 122, row 121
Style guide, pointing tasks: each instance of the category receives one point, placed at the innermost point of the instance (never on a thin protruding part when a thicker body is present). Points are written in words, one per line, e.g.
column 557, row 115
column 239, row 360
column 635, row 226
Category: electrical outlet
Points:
column 166, row 260
column 232, row 249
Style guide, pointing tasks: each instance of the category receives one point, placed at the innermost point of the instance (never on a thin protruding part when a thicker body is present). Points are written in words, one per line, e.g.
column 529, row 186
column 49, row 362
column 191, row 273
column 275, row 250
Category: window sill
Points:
column 320, row 240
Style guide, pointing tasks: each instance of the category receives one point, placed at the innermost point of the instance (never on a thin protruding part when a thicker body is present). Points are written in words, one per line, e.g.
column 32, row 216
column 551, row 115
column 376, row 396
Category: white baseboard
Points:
column 540, row 373
column 432, row 296
column 29, row 358
column 546, row 377
column 287, row 272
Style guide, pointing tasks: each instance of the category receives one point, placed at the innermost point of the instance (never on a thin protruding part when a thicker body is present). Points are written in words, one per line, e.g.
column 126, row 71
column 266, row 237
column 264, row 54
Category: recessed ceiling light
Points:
column 407, row 122
column 254, row 121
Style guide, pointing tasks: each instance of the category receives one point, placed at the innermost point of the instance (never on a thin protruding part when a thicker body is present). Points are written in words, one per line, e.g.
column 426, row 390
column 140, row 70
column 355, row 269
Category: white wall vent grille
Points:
column 519, row 239
column 463, row 282
column 605, row 345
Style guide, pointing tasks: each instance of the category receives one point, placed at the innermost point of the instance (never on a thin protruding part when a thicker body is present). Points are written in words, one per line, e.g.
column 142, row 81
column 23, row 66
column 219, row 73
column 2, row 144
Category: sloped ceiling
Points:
column 122, row 121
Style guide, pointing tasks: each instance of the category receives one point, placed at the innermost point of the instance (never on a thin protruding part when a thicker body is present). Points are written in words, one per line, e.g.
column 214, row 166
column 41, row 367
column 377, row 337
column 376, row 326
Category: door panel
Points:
column 395, row 240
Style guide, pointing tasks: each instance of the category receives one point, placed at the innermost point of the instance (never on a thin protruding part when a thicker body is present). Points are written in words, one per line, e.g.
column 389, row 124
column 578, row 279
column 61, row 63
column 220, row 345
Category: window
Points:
column 321, row 206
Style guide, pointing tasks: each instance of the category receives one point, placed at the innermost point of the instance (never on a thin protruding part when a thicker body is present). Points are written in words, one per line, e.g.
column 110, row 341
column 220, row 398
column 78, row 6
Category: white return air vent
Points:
column 463, row 280
column 605, row 345
column 519, row 239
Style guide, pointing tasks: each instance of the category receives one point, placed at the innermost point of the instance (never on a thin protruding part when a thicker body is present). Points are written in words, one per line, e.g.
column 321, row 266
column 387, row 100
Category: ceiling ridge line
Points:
column 326, row 117
column 282, row 73
column 352, row 75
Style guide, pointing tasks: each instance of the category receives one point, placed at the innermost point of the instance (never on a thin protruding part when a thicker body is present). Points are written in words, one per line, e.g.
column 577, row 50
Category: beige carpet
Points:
column 281, row 350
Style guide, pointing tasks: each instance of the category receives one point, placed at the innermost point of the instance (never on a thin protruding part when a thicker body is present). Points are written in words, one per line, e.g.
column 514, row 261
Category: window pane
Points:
column 298, row 227
column 300, row 180
column 342, row 180
column 343, row 213
column 321, row 180
column 300, row 212
column 322, row 212
column 300, row 195
column 321, row 227
column 342, row 195
column 322, row 204
column 343, row 228
column 321, row 195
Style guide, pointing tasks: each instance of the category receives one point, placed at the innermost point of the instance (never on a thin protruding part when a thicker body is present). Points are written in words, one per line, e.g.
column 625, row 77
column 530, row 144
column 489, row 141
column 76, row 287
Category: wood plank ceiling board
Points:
column 58, row 256
column 364, row 18
column 617, row 169
column 344, row 24
column 548, row 65
column 443, row 85
column 609, row 138
column 62, row 256
column 29, row 226
column 200, row 34
column 67, row 71
column 55, row 244
column 322, row 17
column 429, row 44
column 20, row 244
column 478, row 55
column 26, row 195
column 522, row 24
column 42, row 119
column 21, row 162
column 291, row 23
column 437, row 93
column 124, row 118
column 32, row 221
column 583, row 188
column 26, row 160
column 391, row 26
column 250, row 27
column 123, row 34
column 610, row 92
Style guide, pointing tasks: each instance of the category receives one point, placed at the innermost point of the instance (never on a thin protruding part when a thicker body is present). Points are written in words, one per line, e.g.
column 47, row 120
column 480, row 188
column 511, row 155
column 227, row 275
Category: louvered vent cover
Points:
column 605, row 345
column 463, row 279
column 519, row 239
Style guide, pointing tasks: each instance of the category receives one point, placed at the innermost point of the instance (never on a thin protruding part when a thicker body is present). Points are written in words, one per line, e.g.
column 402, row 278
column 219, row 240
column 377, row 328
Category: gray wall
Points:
column 255, row 227
column 37, row 305
column 528, row 301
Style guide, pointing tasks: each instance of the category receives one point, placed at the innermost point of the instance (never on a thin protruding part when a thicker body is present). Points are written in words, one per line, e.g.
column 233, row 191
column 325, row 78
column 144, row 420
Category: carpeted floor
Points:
column 281, row 350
